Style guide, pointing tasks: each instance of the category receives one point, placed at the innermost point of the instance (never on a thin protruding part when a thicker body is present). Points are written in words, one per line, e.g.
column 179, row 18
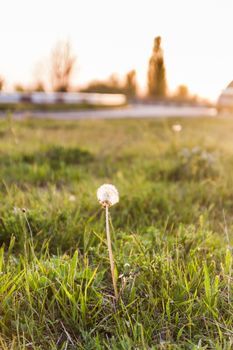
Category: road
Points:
column 133, row 111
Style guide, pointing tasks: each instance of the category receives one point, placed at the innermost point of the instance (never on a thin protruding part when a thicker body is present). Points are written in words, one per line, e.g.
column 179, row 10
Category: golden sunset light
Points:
column 116, row 163
column 109, row 36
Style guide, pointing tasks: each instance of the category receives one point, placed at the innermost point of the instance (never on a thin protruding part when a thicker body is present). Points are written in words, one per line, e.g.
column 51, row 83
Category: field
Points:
column 171, row 232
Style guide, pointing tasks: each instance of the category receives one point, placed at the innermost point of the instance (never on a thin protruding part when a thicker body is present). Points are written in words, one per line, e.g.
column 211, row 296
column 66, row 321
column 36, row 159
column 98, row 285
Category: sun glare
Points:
column 115, row 37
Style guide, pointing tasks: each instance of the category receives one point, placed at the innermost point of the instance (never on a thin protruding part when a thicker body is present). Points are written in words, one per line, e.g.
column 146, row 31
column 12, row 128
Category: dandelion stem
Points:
column 230, row 250
column 110, row 253
column 29, row 227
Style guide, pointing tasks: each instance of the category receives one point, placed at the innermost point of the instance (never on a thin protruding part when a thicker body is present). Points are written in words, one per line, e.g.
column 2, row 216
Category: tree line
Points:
column 61, row 67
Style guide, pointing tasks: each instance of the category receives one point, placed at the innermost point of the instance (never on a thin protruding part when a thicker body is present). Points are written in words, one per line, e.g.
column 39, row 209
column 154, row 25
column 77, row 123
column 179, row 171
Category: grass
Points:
column 171, row 233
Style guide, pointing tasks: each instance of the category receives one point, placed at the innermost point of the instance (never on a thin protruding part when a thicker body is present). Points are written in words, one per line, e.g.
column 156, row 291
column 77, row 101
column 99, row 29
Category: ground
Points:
column 171, row 232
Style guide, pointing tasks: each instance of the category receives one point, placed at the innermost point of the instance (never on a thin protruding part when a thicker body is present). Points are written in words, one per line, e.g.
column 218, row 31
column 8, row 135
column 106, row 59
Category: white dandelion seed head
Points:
column 107, row 195
column 72, row 198
column 126, row 265
column 176, row 127
column 16, row 210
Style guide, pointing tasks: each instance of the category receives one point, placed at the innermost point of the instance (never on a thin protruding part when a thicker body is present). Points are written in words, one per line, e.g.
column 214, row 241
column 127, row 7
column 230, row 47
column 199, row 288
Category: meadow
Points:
column 171, row 234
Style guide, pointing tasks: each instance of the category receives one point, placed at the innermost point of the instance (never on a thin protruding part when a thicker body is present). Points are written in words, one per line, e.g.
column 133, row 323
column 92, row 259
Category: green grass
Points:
column 171, row 232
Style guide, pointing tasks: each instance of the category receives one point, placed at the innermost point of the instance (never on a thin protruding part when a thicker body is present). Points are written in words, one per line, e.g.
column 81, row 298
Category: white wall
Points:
column 67, row 98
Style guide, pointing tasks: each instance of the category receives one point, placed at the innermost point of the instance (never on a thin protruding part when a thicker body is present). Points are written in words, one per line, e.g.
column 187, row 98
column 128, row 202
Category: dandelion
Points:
column 17, row 210
column 107, row 196
column 72, row 198
column 176, row 127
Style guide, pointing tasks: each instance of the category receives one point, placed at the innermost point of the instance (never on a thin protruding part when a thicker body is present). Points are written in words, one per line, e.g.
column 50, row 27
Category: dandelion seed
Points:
column 126, row 265
column 107, row 196
column 16, row 210
column 72, row 198
column 176, row 127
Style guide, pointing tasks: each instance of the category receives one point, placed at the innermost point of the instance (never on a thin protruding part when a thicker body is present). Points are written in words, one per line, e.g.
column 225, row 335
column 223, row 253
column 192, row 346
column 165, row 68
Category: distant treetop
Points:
column 230, row 85
column 157, row 84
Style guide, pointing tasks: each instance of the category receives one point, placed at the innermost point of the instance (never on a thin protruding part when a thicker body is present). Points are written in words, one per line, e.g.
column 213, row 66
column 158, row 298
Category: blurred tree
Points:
column 102, row 87
column 40, row 74
column 110, row 86
column 131, row 84
column 62, row 65
column 114, row 80
column 182, row 92
column 2, row 82
column 19, row 88
column 157, row 85
column 39, row 87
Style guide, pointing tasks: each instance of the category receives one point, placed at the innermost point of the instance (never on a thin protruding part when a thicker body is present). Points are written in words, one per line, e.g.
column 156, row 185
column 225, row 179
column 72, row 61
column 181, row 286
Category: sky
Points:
column 115, row 36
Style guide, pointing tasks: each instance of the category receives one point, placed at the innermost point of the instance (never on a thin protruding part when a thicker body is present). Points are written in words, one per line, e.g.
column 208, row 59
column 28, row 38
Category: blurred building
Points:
column 225, row 100
column 48, row 98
